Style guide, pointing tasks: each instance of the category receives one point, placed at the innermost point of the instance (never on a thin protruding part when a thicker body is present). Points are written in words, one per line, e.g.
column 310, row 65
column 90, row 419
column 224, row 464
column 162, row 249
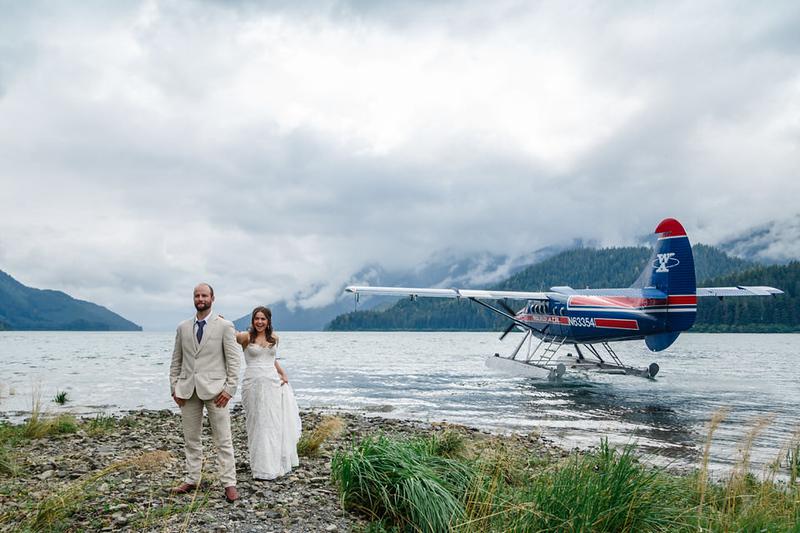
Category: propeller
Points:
column 511, row 312
column 507, row 308
column 508, row 330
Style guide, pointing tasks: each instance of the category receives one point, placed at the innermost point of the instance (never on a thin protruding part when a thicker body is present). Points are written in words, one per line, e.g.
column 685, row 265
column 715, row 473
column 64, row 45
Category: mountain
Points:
column 775, row 242
column 26, row 308
column 579, row 268
column 444, row 269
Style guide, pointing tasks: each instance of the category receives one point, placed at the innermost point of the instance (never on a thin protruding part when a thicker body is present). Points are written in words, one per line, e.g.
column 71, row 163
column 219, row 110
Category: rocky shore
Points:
column 117, row 475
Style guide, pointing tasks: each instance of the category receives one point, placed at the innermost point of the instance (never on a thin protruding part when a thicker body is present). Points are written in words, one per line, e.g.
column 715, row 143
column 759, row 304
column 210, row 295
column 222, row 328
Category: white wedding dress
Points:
column 271, row 414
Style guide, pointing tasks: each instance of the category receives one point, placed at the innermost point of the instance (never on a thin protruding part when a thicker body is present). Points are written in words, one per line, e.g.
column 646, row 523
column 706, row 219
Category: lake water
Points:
column 443, row 377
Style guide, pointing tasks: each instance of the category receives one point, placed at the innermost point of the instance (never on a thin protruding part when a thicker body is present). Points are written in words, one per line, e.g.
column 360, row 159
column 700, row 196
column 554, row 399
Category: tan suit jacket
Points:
column 210, row 367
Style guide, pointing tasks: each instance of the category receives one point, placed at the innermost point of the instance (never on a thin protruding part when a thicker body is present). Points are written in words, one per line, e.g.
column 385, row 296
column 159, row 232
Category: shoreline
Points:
column 120, row 469
column 115, row 474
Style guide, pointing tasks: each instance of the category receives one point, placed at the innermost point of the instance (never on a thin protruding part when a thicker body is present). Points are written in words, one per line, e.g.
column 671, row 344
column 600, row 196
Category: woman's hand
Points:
column 284, row 379
column 243, row 338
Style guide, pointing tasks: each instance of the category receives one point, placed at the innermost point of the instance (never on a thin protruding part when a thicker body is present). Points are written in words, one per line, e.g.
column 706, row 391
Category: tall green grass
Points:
column 423, row 485
column 605, row 491
column 403, row 482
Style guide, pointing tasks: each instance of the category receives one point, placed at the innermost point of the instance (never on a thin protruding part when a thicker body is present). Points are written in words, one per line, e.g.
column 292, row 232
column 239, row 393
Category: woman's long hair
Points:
column 268, row 331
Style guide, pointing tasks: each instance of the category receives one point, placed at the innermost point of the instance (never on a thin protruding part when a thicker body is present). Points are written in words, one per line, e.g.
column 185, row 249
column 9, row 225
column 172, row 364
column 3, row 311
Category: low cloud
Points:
column 275, row 151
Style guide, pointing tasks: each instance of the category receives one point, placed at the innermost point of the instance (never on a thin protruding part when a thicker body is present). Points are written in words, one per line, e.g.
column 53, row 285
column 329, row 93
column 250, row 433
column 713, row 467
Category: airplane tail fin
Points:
column 671, row 271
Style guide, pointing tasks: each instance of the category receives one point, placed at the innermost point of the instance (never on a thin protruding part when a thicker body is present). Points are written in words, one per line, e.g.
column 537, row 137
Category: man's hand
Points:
column 179, row 401
column 222, row 399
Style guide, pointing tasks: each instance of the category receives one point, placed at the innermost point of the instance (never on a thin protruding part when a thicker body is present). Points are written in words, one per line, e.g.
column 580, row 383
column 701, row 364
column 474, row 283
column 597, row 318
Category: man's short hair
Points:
column 210, row 288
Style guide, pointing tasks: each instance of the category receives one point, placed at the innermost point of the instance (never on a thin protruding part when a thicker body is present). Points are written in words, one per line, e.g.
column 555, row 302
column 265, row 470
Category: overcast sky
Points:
column 274, row 151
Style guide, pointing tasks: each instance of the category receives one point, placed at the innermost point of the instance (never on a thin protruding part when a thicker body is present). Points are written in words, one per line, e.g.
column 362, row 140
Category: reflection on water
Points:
column 442, row 376
column 657, row 428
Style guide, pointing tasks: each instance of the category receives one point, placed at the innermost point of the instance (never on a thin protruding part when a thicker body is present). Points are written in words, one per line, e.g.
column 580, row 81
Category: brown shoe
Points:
column 231, row 494
column 184, row 488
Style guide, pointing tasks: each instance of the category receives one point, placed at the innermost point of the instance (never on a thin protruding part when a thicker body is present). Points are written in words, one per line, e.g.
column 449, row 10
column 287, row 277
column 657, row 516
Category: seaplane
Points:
column 657, row 308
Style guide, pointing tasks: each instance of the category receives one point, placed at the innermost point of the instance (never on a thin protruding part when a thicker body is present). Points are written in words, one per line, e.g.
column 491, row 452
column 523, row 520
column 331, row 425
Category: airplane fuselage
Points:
column 592, row 318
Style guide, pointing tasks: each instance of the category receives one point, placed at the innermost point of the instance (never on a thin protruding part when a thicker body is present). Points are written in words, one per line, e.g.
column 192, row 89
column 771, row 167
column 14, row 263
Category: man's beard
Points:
column 201, row 306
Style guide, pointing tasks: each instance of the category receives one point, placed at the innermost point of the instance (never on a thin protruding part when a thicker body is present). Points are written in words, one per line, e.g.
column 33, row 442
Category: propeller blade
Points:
column 507, row 308
column 508, row 330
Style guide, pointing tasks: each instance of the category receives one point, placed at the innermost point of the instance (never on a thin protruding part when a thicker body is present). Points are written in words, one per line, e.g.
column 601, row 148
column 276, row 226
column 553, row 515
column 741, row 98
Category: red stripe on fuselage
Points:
column 617, row 323
column 629, row 302
column 683, row 299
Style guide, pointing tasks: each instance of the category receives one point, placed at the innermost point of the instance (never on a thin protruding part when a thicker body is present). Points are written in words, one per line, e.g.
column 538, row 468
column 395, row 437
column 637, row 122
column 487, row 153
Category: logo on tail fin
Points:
column 665, row 262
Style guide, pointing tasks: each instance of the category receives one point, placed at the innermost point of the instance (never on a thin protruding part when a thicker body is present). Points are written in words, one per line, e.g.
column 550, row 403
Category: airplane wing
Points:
column 421, row 292
column 737, row 291
column 415, row 292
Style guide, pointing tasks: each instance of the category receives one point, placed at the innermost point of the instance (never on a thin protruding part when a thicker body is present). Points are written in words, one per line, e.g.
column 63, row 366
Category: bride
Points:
column 272, row 417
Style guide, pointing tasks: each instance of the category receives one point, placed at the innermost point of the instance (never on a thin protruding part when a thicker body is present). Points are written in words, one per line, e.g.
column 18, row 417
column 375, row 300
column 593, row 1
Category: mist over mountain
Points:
column 775, row 242
column 443, row 269
column 26, row 308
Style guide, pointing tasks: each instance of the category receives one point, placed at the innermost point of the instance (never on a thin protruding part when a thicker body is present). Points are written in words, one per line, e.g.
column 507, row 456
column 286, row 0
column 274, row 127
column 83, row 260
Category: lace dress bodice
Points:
column 271, row 415
column 260, row 357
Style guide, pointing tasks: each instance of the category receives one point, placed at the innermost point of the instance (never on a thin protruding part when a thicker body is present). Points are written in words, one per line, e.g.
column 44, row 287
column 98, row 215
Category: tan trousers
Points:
column 220, row 419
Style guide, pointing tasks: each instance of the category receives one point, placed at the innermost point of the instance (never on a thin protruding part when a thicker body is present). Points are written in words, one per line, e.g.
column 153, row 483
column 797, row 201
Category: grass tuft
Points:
column 61, row 397
column 39, row 425
column 151, row 461
column 793, row 463
column 604, row 491
column 448, row 443
column 702, row 479
column 8, row 466
column 742, row 482
column 310, row 443
column 100, row 425
column 402, row 482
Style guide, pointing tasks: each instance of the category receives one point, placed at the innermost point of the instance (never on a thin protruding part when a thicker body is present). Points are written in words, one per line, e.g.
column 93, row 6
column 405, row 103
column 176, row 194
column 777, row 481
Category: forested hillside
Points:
column 26, row 308
column 776, row 314
column 579, row 268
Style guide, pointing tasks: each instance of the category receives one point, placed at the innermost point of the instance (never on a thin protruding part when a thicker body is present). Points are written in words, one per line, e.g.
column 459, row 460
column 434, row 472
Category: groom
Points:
column 204, row 373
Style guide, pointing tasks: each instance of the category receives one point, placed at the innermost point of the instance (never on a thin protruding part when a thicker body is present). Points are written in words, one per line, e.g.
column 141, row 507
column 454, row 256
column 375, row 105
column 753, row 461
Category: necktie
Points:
column 200, row 325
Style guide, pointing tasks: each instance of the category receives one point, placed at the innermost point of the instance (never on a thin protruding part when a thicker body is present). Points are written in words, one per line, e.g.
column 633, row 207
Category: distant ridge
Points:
column 26, row 308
